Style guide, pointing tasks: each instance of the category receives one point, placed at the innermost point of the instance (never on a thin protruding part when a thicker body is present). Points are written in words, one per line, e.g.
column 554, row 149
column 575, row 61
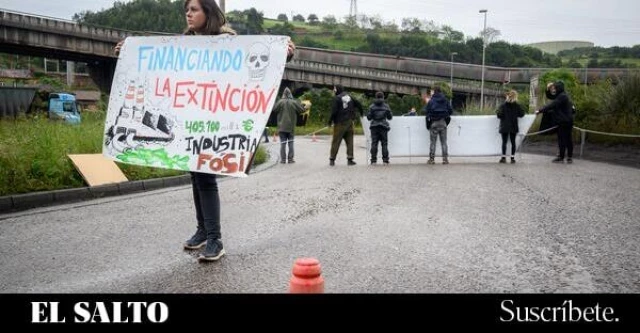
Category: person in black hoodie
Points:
column 508, row 113
column 379, row 114
column 438, row 112
column 343, row 115
column 562, row 109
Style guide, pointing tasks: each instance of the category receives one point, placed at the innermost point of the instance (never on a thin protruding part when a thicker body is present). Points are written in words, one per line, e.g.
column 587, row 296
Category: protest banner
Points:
column 193, row 103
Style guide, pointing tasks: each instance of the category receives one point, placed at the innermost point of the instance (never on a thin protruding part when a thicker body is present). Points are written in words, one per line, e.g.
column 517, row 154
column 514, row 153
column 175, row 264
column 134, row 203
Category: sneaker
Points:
column 445, row 161
column 374, row 162
column 283, row 162
column 503, row 160
column 513, row 160
column 292, row 161
column 557, row 160
column 332, row 162
column 351, row 162
column 213, row 251
column 569, row 160
column 386, row 162
column 196, row 241
column 431, row 161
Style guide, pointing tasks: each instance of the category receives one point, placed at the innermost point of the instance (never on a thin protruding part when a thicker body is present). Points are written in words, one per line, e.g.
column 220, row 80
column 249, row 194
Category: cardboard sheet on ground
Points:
column 193, row 103
column 466, row 136
column 97, row 169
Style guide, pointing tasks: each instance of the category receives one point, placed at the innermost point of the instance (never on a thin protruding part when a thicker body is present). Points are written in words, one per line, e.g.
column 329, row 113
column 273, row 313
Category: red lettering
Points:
column 205, row 92
column 231, row 106
column 180, row 93
column 230, row 163
column 192, row 96
column 202, row 159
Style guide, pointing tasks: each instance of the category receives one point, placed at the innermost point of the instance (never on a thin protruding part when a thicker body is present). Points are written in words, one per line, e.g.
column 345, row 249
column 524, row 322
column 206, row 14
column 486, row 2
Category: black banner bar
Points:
column 611, row 311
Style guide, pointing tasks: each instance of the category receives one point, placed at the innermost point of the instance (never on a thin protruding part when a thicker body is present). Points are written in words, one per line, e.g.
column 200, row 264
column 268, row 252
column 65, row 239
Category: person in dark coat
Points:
column 508, row 113
column 287, row 109
column 379, row 114
column 562, row 109
column 343, row 116
column 438, row 112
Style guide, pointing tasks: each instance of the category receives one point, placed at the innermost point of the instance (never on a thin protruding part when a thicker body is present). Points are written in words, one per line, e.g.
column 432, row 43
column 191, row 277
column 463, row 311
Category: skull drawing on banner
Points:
column 257, row 61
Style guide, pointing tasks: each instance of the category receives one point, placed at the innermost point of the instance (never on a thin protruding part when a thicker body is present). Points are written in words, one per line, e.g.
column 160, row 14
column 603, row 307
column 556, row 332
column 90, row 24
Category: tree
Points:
column 573, row 63
column 375, row 22
column 411, row 24
column 255, row 20
column 491, row 34
column 283, row 17
column 329, row 21
column 134, row 15
column 390, row 27
column 313, row 19
column 285, row 28
column 351, row 22
column 298, row 18
column 452, row 35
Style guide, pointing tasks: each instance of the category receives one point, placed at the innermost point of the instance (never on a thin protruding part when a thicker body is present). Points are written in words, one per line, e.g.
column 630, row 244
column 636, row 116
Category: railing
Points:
column 381, row 75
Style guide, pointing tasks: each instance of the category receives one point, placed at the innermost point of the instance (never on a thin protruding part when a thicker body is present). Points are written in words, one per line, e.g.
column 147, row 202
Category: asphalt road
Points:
column 474, row 226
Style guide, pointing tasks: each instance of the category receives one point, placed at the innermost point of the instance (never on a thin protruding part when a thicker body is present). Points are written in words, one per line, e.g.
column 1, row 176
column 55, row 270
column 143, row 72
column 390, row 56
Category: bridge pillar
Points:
column 101, row 73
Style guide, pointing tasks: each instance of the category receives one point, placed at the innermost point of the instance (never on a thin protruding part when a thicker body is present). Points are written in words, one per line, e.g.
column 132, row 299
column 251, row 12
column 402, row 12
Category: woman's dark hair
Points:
column 380, row 95
column 213, row 13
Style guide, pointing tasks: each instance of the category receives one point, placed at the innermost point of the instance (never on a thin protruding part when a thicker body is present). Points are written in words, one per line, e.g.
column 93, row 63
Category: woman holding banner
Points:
column 204, row 17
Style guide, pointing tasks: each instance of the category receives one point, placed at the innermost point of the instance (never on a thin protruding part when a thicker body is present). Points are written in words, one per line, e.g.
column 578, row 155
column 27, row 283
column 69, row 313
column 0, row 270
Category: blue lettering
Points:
column 237, row 60
column 159, row 58
column 192, row 64
column 205, row 61
column 142, row 55
column 180, row 58
column 169, row 63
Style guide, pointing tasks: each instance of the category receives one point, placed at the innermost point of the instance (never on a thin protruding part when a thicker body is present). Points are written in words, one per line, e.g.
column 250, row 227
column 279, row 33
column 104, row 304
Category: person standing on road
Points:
column 379, row 114
column 343, row 116
column 438, row 112
column 287, row 109
column 562, row 109
column 508, row 113
column 204, row 17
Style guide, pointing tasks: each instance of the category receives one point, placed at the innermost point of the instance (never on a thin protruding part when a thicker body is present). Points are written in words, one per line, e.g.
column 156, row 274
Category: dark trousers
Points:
column 565, row 140
column 379, row 134
column 286, row 138
column 342, row 131
column 207, row 202
column 512, row 138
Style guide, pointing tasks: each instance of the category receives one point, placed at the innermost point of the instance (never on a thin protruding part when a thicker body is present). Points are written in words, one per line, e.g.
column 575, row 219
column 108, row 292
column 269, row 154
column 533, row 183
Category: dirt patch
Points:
column 626, row 155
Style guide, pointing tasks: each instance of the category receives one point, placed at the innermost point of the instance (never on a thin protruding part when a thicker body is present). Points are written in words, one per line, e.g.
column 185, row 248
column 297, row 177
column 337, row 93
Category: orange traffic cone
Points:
column 306, row 277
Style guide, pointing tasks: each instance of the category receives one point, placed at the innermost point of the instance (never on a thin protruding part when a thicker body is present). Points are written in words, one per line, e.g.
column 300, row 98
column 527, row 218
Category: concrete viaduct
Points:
column 53, row 38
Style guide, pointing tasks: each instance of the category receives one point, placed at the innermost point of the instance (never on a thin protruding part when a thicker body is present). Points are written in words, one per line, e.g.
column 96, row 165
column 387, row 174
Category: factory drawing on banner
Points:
column 138, row 123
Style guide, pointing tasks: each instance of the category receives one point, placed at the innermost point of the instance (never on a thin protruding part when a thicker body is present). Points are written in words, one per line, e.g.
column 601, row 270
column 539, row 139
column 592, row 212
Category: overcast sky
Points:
column 605, row 23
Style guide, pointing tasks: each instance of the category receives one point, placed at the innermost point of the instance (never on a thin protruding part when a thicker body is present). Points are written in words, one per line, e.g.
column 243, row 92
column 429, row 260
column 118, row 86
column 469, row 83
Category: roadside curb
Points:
column 19, row 202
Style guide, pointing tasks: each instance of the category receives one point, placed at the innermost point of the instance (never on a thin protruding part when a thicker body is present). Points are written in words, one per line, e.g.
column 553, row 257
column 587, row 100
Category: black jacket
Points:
column 508, row 113
column 379, row 114
column 438, row 107
column 561, row 107
column 344, row 108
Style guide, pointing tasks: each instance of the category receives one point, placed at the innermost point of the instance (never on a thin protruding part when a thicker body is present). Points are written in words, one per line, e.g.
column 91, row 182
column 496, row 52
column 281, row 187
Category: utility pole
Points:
column 452, row 54
column 484, row 48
